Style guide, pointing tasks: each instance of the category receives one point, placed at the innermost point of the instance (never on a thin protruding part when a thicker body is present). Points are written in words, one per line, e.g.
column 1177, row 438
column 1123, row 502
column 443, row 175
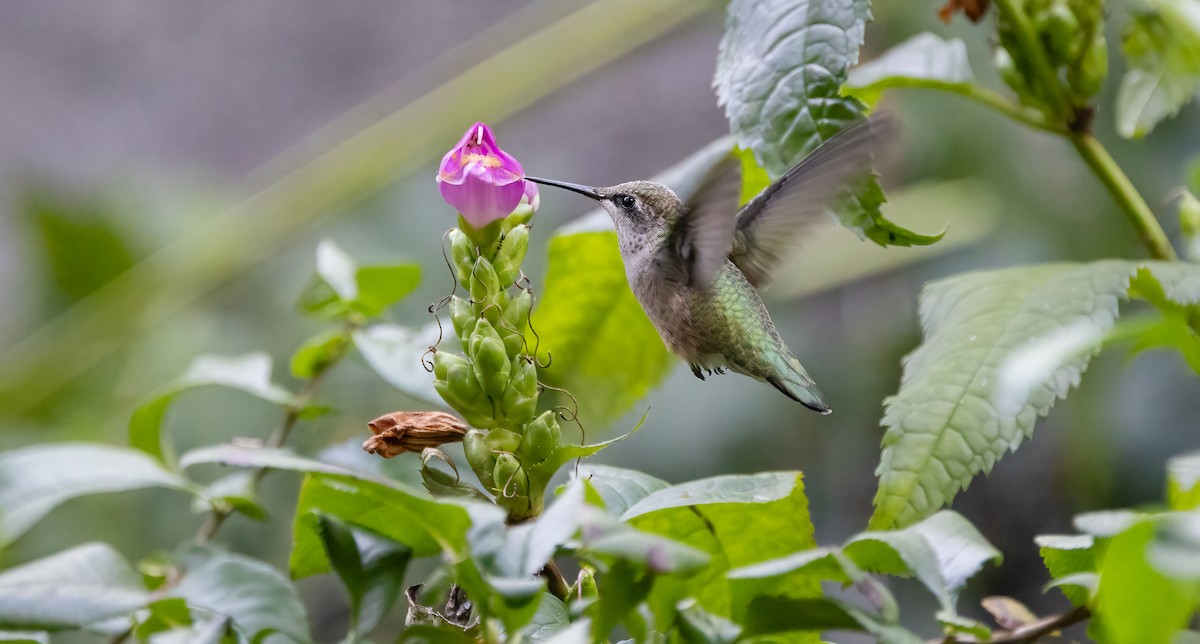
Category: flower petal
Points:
column 481, row 203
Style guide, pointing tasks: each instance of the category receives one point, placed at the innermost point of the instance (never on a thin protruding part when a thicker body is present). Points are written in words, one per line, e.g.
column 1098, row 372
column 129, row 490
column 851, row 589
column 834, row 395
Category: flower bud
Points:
column 480, row 457
column 513, row 322
column 1060, row 32
column 509, row 477
column 462, row 315
column 541, row 439
column 503, row 440
column 489, row 359
column 483, row 282
column 455, row 382
column 520, row 399
column 412, row 431
column 1087, row 75
column 512, row 252
column 462, row 254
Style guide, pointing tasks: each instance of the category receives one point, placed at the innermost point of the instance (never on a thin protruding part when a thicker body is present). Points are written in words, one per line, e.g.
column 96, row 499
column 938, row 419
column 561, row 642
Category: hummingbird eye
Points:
column 627, row 202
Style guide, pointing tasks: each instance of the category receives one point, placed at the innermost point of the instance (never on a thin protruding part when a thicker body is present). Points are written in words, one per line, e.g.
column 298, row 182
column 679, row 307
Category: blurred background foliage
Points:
column 168, row 168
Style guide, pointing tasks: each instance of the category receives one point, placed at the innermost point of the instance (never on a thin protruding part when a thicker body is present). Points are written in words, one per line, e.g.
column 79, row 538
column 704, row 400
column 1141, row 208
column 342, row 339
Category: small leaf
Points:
column 1162, row 54
column 619, row 488
column 371, row 568
column 342, row 288
column 1066, row 556
column 163, row 615
column 1106, row 523
column 235, row 491
column 318, row 353
column 256, row 597
column 250, row 373
column 396, row 353
column 943, row 552
column 71, row 589
column 35, row 480
column 1183, row 481
column 925, row 60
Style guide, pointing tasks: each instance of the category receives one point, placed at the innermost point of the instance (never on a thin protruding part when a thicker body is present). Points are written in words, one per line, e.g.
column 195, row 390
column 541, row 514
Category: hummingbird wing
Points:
column 770, row 224
column 704, row 234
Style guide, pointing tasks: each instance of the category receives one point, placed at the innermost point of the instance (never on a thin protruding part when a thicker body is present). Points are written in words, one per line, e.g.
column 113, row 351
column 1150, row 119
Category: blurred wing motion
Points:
column 770, row 224
column 704, row 234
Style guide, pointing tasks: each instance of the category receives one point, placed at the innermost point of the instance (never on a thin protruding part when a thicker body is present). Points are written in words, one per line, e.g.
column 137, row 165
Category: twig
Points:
column 1030, row 632
column 555, row 582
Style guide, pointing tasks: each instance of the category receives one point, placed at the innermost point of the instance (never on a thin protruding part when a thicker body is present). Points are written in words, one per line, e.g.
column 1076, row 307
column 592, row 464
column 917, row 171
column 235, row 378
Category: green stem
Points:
column 984, row 96
column 1127, row 196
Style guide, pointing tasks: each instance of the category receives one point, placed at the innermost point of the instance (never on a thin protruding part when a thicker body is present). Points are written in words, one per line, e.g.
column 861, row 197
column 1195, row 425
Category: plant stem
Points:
column 1127, row 196
column 216, row 518
column 985, row 96
column 1031, row 632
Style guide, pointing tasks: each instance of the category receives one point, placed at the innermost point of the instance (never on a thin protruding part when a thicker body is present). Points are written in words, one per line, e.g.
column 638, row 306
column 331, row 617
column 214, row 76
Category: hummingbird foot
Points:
column 721, row 371
column 696, row 370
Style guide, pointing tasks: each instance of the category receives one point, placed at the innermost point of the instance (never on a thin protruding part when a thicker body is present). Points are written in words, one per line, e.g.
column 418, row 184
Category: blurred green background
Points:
column 167, row 168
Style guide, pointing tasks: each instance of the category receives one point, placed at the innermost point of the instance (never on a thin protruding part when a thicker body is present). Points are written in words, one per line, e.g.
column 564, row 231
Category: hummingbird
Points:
column 695, row 266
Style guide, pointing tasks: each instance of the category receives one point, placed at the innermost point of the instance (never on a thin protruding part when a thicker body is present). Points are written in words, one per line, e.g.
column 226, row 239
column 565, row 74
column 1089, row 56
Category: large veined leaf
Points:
column 779, row 75
column 250, row 373
column 620, row 488
column 70, row 589
column 257, row 598
column 738, row 521
column 1000, row 347
column 1162, row 51
column 35, row 480
column 925, row 60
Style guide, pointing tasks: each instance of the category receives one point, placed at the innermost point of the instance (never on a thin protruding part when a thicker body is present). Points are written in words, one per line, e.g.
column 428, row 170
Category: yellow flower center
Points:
column 487, row 160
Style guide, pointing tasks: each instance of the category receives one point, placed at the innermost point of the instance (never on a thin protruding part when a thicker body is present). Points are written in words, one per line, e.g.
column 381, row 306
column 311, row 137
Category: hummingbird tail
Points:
column 798, row 386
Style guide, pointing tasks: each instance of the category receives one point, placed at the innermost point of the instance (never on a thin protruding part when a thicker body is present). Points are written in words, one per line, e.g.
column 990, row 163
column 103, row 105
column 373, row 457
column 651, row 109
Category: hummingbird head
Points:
column 637, row 208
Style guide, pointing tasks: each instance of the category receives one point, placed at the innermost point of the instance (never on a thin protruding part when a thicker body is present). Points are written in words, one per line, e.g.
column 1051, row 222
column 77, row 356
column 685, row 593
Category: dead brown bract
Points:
column 973, row 9
column 412, row 431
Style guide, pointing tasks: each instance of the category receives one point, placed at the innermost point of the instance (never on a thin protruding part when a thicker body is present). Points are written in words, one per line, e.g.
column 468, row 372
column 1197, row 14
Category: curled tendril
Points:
column 568, row 415
column 426, row 360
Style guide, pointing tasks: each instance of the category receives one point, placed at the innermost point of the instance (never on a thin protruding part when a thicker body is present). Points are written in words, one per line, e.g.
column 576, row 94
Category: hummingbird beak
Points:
column 586, row 191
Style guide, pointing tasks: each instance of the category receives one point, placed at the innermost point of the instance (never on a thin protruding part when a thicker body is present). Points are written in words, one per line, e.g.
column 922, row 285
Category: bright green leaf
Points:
column 1065, row 557
column 342, row 288
column 620, row 488
column 35, row 480
column 382, row 286
column 250, row 373
column 371, row 568
column 235, row 491
column 1183, row 481
column 396, row 354
column 256, row 597
column 71, row 589
column 318, row 353
column 162, row 616
column 1162, row 52
column 773, row 615
column 925, row 60
column 1134, row 602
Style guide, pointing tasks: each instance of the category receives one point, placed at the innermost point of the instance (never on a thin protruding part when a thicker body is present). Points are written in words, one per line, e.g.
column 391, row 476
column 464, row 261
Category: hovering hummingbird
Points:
column 695, row 266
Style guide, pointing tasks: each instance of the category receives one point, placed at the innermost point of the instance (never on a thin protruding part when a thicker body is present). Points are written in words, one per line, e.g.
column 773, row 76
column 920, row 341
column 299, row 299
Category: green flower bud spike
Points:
column 520, row 399
column 489, row 359
column 455, row 382
column 480, row 457
column 462, row 254
column 512, row 252
column 462, row 315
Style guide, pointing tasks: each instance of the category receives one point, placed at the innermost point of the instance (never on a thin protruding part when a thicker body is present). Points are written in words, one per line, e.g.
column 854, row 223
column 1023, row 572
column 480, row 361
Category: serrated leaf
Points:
column 256, row 597
column 620, row 488
column 250, row 373
column 1183, row 481
column 738, row 520
column 1000, row 347
column 923, row 60
column 71, row 589
column 1067, row 556
column 943, row 551
column 1106, row 523
column 779, row 74
column 396, row 353
column 35, row 480
column 1162, row 53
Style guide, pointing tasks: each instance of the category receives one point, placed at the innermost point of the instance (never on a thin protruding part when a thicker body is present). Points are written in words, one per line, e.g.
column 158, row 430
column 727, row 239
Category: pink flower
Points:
column 481, row 181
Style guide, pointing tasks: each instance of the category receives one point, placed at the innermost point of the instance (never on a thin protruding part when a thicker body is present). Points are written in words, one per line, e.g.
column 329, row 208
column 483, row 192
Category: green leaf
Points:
column 1175, row 550
column 25, row 637
column 371, row 568
column 318, row 353
column 341, row 288
column 622, row 588
column 1162, row 54
column 550, row 619
column 738, row 520
column 1135, row 602
column 943, row 552
column 234, row 491
column 600, row 343
column 429, row 634
column 925, row 60
column 1000, row 347
column 250, row 373
column 1183, row 481
column 779, row 75
column 1067, row 556
column 262, row 457
column 162, row 616
column 698, row 626
column 772, row 615
column 35, row 480
column 71, row 589
column 396, row 353
column 387, row 508
column 619, row 488
column 256, row 597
